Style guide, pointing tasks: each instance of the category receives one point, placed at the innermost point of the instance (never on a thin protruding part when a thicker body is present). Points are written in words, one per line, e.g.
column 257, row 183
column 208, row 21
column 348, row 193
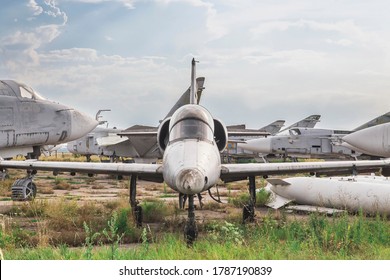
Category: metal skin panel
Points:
column 6, row 116
column 200, row 158
column 370, row 194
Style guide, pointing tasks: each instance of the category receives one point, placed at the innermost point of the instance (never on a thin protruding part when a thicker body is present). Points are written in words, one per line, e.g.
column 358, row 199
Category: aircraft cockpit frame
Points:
column 192, row 122
column 21, row 91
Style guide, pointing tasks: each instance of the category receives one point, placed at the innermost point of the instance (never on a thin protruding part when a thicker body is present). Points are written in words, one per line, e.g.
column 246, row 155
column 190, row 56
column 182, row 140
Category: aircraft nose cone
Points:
column 190, row 181
column 81, row 124
column 260, row 145
column 373, row 140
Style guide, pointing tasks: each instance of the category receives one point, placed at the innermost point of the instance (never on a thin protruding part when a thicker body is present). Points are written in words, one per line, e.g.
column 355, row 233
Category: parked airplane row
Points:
column 304, row 142
column 190, row 142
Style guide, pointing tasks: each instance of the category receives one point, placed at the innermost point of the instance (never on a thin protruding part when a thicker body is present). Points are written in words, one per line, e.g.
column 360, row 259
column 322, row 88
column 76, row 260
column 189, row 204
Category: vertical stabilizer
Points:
column 193, row 91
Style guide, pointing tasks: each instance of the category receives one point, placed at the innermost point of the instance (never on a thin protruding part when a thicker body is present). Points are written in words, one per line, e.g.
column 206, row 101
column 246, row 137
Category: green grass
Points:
column 318, row 237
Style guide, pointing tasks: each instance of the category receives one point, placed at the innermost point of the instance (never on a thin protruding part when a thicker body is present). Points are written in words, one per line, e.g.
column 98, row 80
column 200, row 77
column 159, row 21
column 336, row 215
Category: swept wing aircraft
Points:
column 28, row 121
column 311, row 142
column 191, row 141
column 235, row 150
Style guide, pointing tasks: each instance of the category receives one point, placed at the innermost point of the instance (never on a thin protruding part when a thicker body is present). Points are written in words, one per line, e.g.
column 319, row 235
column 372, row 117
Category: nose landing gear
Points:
column 190, row 229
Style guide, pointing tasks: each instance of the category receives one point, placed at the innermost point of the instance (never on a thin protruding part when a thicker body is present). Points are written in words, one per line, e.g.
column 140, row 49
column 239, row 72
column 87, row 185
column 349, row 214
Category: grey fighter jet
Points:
column 310, row 142
column 28, row 121
column 191, row 141
column 235, row 150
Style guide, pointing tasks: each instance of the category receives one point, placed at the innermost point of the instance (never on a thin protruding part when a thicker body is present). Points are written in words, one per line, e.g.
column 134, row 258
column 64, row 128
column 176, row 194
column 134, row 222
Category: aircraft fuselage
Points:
column 27, row 120
column 192, row 162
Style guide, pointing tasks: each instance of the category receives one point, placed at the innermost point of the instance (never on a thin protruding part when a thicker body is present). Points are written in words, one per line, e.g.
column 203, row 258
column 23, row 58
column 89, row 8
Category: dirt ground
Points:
column 82, row 188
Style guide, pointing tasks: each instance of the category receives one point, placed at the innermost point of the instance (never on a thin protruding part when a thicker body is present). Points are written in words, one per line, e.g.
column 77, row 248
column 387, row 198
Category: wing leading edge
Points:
column 151, row 172
column 233, row 172
column 229, row 172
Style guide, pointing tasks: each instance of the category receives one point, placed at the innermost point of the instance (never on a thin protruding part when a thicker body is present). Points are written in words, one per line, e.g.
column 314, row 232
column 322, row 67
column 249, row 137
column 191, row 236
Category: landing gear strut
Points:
column 135, row 208
column 190, row 229
column 183, row 199
column 24, row 189
column 248, row 213
column 3, row 174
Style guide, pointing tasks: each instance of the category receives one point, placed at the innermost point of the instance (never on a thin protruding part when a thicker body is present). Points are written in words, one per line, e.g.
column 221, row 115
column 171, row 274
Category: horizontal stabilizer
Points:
column 110, row 140
column 277, row 201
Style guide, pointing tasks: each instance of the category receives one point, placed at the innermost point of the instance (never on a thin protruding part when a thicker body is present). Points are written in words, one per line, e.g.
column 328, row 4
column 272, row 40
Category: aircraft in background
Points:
column 329, row 195
column 310, row 142
column 191, row 141
column 234, row 149
column 28, row 121
column 308, row 122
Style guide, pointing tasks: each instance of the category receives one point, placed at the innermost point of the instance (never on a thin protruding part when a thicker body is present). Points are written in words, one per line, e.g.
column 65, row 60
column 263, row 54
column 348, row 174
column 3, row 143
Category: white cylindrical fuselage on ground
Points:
column 371, row 194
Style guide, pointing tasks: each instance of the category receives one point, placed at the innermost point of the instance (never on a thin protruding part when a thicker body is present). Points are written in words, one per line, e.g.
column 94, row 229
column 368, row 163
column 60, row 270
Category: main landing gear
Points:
column 190, row 229
column 135, row 208
column 24, row 189
column 183, row 199
column 248, row 212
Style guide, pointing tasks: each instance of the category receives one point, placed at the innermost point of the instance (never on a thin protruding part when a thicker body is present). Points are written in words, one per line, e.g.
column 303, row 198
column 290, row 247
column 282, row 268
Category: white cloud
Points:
column 129, row 4
column 37, row 10
column 54, row 11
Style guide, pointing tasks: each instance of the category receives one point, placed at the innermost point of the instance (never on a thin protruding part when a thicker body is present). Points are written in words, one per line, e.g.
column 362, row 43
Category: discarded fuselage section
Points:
column 370, row 194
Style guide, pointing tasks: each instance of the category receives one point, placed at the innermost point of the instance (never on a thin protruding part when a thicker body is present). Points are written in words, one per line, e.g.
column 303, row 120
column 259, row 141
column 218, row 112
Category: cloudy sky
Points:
column 262, row 60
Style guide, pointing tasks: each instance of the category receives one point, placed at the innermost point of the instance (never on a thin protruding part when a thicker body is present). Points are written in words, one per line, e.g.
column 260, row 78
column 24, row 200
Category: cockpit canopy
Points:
column 20, row 90
column 191, row 122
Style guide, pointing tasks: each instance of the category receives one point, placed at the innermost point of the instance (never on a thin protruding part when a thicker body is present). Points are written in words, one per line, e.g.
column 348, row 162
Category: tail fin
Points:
column 185, row 97
column 385, row 118
column 308, row 122
column 193, row 91
column 274, row 127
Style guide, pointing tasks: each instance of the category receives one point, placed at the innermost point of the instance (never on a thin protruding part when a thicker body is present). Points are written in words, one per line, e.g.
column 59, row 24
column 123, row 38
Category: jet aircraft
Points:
column 235, row 150
column 191, row 141
column 310, row 142
column 129, row 143
column 28, row 121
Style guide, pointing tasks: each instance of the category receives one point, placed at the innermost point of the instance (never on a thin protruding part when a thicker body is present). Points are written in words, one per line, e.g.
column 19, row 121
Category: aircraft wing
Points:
column 235, row 172
column 151, row 172
column 247, row 132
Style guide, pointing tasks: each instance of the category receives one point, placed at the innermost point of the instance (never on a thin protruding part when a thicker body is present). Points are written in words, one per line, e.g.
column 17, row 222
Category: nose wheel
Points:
column 190, row 229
